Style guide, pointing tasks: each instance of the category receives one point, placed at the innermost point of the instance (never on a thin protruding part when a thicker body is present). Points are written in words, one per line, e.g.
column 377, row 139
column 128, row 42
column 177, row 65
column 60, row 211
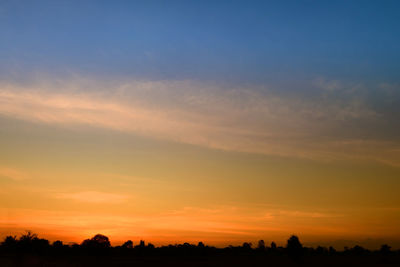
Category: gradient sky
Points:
column 213, row 121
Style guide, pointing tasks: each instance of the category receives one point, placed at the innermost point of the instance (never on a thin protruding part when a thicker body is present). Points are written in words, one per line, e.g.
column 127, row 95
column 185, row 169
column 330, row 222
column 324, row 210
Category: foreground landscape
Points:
column 30, row 250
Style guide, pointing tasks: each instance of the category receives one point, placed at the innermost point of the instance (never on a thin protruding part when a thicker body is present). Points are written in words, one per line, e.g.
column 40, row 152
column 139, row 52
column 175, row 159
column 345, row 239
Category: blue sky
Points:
column 335, row 63
column 229, row 41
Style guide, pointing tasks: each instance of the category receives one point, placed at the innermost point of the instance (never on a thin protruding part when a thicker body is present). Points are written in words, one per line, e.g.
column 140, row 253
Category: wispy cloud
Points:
column 93, row 197
column 237, row 119
column 14, row 174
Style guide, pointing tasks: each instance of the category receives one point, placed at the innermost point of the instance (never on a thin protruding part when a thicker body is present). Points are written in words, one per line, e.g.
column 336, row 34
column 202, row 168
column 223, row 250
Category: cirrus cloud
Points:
column 93, row 197
column 324, row 127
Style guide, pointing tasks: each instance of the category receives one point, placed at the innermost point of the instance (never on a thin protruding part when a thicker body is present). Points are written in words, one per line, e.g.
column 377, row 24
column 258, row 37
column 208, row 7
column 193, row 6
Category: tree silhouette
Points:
column 31, row 242
column 142, row 244
column 385, row 249
column 10, row 241
column 261, row 245
column 27, row 238
column 30, row 249
column 294, row 247
column 58, row 243
column 246, row 245
column 128, row 244
column 98, row 241
column 358, row 250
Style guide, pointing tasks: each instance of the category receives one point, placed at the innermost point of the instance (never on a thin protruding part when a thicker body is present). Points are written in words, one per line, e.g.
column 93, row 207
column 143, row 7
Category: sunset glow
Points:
column 221, row 123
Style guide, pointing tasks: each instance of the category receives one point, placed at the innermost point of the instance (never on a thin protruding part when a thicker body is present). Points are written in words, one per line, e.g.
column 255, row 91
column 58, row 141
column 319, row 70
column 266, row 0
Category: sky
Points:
column 216, row 121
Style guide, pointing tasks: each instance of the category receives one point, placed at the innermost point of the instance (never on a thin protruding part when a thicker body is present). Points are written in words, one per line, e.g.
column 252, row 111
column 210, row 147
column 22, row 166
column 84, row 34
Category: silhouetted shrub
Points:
column 58, row 244
column 99, row 241
column 332, row 250
column 27, row 238
column 247, row 245
column 321, row 250
column 31, row 242
column 128, row 244
column 294, row 248
column 9, row 243
column 358, row 250
column 385, row 249
column 261, row 245
column 142, row 244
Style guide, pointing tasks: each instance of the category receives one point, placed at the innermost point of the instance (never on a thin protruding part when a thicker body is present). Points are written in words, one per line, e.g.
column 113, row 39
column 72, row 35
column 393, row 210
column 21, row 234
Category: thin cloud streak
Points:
column 14, row 174
column 205, row 115
column 94, row 197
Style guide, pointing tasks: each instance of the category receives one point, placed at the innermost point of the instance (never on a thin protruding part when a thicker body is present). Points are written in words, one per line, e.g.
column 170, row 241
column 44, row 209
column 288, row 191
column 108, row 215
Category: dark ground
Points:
column 29, row 250
column 223, row 259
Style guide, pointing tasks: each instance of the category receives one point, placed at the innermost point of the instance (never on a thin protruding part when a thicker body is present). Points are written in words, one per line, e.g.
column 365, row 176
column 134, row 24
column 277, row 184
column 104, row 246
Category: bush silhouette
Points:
column 31, row 242
column 246, row 245
column 98, row 241
column 294, row 247
column 27, row 238
column 128, row 244
column 58, row 244
column 385, row 249
column 261, row 245
column 10, row 243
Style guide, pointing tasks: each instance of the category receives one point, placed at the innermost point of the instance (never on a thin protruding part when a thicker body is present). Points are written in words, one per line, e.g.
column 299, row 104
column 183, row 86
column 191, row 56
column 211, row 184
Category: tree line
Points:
column 30, row 242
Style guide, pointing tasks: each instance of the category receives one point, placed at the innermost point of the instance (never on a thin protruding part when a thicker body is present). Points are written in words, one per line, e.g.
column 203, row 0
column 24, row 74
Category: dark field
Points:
column 29, row 250
column 218, row 258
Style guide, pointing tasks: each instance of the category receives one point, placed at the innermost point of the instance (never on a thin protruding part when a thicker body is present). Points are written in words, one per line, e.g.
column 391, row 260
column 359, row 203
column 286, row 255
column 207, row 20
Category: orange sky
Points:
column 69, row 170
